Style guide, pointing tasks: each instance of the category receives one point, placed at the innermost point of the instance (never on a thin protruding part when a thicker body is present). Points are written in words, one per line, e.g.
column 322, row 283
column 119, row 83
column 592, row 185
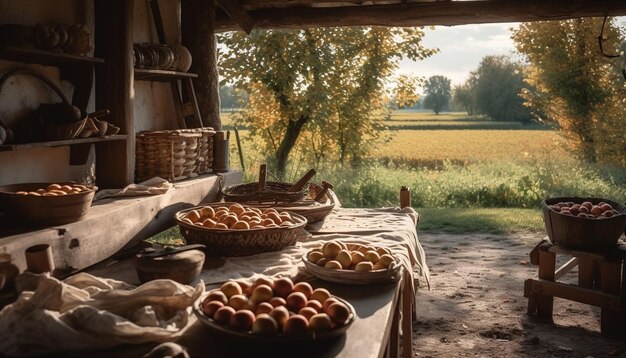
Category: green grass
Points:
column 480, row 220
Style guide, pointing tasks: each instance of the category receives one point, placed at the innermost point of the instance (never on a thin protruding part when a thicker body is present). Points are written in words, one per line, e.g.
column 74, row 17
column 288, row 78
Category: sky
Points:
column 462, row 47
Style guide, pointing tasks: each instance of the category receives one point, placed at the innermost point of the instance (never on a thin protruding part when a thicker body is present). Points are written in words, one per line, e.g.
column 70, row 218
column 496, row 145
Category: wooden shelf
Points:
column 143, row 74
column 59, row 143
column 45, row 57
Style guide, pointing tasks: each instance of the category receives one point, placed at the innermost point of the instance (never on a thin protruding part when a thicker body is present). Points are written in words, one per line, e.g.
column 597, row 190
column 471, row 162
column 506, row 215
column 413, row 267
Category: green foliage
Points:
column 438, row 92
column 496, row 86
column 575, row 85
column 321, row 89
column 480, row 220
column 405, row 93
column 231, row 98
column 464, row 96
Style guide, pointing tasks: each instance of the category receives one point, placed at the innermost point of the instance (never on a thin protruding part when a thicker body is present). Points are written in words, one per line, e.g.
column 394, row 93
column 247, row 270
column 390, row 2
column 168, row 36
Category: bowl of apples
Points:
column 583, row 223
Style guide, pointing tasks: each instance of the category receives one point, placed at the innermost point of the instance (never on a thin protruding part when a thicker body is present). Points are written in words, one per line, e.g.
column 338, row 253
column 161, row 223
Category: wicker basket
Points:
column 275, row 192
column 204, row 159
column 169, row 154
column 224, row 242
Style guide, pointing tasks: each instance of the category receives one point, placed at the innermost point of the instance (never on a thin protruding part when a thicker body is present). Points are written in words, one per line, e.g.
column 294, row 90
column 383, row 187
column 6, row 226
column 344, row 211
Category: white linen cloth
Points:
column 392, row 228
column 88, row 312
column 154, row 186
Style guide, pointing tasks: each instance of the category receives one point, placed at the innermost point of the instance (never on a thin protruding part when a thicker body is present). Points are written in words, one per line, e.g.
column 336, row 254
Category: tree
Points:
column 438, row 93
column 464, row 96
column 575, row 85
column 329, row 82
column 405, row 93
column 231, row 98
column 497, row 84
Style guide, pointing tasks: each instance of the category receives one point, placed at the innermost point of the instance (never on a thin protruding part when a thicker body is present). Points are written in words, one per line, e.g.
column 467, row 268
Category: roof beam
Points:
column 446, row 13
column 237, row 13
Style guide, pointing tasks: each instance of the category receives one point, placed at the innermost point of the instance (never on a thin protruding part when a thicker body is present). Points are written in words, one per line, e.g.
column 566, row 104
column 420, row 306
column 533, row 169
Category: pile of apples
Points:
column 585, row 210
column 57, row 190
column 340, row 256
column 270, row 307
column 237, row 217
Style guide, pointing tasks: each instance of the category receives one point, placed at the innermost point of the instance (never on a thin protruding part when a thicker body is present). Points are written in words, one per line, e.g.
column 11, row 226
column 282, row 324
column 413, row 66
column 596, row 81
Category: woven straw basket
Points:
column 174, row 154
column 275, row 192
column 226, row 242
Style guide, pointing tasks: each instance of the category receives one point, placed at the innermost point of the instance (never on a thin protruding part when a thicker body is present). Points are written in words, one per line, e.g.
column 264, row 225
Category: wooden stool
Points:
column 601, row 283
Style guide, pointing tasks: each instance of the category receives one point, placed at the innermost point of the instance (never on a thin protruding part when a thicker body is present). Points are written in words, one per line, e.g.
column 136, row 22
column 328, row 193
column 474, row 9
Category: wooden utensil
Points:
column 262, row 176
column 325, row 186
column 305, row 179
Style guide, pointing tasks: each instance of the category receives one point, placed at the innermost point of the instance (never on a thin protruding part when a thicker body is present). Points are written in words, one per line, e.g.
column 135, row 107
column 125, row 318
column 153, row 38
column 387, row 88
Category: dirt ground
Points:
column 476, row 305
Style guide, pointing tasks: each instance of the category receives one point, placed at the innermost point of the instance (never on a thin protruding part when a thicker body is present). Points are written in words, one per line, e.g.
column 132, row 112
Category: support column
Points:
column 114, row 90
column 197, row 24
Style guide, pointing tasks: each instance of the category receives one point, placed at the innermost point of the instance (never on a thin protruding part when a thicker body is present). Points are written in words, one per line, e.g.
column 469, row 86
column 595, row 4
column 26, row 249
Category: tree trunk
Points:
column 286, row 145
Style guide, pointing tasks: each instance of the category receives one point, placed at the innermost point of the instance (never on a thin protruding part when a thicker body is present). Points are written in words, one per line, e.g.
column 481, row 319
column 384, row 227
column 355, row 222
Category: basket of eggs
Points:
column 275, row 311
column 35, row 204
column 231, row 229
column 355, row 264
column 583, row 223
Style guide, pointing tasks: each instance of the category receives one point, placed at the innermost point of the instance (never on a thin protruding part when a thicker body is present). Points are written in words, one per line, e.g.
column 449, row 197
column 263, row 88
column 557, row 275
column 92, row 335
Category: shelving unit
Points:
column 143, row 74
column 60, row 143
column 47, row 58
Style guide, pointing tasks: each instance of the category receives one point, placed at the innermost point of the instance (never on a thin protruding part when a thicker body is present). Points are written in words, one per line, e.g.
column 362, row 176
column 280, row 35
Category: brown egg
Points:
column 344, row 258
column 220, row 226
column 262, row 293
column 277, row 301
column 295, row 301
column 33, row 193
column 250, row 214
column 386, row 260
column 303, row 287
column 284, row 216
column 185, row 220
column 269, row 210
column 58, row 192
column 264, row 307
column 329, row 302
column 275, row 218
column 207, row 212
column 228, row 220
column 296, row 325
column 217, row 295
column 242, row 320
column 283, row 287
column 379, row 266
column 307, row 312
column 320, row 322
column 356, row 257
column 333, row 264
column 223, row 314
column 193, row 215
column 372, row 256
column 231, row 288
column 53, row 187
column 211, row 307
column 364, row 266
column 271, row 226
column 258, row 282
column 219, row 214
column 314, row 256
column 256, row 210
column 209, row 223
column 264, row 325
column 280, row 315
column 320, row 295
column 322, row 262
column 22, row 193
column 331, row 249
column 285, row 224
column 49, row 194
column 338, row 312
column 258, row 226
column 236, row 209
column 315, row 304
column 266, row 222
column 240, row 225
column 66, row 188
column 238, row 302
column 41, row 191
column 382, row 250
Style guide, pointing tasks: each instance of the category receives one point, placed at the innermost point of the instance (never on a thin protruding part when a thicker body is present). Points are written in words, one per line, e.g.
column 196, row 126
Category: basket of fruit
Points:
column 275, row 311
column 583, row 223
column 354, row 264
column 230, row 229
column 35, row 204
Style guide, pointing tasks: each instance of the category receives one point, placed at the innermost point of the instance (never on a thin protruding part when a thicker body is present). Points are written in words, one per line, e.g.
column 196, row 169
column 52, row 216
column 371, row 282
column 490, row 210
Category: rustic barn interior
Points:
column 142, row 99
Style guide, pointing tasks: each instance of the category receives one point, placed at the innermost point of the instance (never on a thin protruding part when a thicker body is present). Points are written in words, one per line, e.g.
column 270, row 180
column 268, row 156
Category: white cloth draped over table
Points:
column 85, row 312
column 392, row 228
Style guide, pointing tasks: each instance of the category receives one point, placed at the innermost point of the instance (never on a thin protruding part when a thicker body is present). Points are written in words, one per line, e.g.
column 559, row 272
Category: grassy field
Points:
column 466, row 174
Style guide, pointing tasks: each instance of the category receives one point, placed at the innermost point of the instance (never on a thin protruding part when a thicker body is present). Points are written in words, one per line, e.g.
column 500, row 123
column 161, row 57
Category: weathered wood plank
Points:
column 575, row 293
column 567, row 267
column 425, row 14
column 112, row 224
column 610, row 318
column 237, row 13
column 547, row 264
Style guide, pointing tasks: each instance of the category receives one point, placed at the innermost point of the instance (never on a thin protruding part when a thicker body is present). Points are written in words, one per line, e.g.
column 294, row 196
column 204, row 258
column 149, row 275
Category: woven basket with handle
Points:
column 169, row 154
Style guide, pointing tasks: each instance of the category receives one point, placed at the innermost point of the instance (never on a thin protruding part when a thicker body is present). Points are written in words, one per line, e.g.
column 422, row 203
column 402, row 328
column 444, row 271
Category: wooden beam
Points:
column 425, row 14
column 237, row 14
column 197, row 27
column 115, row 161
column 572, row 293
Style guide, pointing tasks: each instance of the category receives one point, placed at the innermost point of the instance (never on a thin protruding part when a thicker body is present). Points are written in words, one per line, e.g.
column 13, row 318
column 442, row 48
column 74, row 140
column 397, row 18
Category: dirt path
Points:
column 476, row 307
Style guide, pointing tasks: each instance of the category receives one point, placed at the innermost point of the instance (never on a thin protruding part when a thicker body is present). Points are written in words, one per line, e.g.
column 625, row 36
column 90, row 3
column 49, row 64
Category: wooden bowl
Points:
column 33, row 210
column 583, row 233
column 183, row 267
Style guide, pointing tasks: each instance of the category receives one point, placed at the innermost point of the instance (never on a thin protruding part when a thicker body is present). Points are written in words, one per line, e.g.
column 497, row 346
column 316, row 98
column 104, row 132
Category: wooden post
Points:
column 405, row 197
column 547, row 265
column 197, row 27
column 408, row 302
column 114, row 87
column 585, row 272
